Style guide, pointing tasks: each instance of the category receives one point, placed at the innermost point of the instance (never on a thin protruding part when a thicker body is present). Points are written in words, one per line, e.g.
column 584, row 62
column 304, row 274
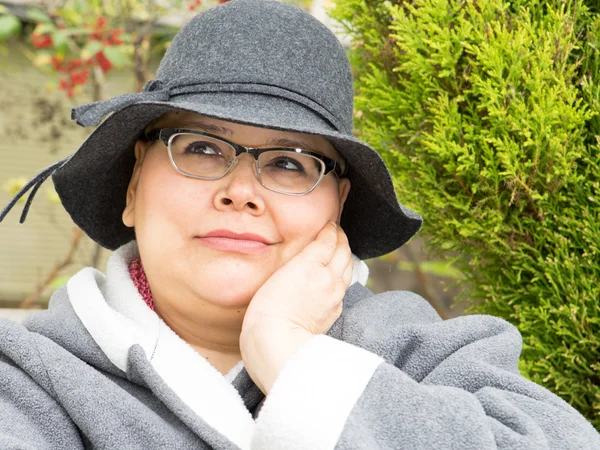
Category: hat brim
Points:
column 92, row 185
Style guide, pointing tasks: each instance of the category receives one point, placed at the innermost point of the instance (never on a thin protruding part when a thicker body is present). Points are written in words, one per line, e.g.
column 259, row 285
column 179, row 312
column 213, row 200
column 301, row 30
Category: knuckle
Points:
column 330, row 244
column 335, row 299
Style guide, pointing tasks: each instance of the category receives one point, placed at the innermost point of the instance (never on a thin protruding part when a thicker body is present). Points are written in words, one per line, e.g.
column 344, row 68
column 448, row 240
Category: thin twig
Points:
column 96, row 253
column 75, row 240
column 433, row 299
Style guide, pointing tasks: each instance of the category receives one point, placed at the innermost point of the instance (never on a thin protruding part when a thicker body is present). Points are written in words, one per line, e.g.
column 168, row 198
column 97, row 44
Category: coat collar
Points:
column 117, row 318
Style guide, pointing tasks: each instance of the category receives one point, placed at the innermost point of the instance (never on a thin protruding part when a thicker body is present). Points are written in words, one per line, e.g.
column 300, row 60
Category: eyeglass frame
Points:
column 165, row 135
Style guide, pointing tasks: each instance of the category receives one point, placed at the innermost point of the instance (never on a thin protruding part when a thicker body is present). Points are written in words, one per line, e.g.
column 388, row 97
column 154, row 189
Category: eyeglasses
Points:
column 291, row 171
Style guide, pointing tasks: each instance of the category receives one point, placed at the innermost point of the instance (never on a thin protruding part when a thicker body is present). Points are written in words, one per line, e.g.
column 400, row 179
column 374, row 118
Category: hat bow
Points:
column 160, row 91
column 92, row 113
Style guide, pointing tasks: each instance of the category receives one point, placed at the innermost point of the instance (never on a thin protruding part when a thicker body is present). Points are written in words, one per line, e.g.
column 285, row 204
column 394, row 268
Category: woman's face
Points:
column 173, row 214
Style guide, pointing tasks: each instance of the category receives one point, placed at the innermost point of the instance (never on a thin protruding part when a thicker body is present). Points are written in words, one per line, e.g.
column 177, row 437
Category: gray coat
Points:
column 442, row 385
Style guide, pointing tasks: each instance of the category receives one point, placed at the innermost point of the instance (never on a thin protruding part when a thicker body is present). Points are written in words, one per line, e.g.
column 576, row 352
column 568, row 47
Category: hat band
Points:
column 158, row 91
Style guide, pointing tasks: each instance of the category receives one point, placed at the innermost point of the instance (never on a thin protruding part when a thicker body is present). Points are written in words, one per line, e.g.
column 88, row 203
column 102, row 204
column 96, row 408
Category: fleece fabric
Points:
column 99, row 369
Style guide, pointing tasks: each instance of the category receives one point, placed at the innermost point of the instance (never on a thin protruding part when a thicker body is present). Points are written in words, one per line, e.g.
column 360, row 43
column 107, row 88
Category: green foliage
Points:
column 37, row 15
column 486, row 113
column 117, row 55
column 9, row 24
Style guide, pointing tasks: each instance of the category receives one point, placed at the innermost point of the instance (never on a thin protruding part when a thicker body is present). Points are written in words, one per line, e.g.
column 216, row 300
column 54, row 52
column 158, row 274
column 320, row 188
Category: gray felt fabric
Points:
column 444, row 385
column 256, row 62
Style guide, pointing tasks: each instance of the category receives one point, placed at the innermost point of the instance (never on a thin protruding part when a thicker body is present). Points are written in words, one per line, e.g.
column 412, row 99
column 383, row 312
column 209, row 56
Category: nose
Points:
column 240, row 189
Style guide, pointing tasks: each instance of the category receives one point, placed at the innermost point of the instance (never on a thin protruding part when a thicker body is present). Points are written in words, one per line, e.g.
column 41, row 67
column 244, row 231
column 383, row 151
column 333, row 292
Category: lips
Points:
column 229, row 241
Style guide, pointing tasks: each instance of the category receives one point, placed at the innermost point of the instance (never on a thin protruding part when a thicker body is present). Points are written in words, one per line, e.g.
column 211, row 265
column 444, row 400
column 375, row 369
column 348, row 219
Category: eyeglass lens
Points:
column 279, row 170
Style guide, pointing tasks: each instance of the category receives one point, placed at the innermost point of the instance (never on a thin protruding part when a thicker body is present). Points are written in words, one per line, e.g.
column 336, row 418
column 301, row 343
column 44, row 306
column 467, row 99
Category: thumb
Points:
column 321, row 250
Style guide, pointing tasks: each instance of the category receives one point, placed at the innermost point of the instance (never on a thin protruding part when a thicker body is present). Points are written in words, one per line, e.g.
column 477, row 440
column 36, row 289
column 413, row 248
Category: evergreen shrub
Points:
column 486, row 111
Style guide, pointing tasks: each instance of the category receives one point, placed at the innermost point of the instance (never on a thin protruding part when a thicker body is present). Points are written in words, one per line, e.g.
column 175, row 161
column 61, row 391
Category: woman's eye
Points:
column 203, row 148
column 287, row 164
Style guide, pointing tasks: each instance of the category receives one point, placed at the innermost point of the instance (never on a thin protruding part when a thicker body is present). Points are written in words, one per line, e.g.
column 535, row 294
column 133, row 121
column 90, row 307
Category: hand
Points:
column 301, row 299
column 307, row 291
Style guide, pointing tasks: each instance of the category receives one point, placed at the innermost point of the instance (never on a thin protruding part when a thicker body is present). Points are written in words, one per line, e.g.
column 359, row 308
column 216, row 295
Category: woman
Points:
column 240, row 205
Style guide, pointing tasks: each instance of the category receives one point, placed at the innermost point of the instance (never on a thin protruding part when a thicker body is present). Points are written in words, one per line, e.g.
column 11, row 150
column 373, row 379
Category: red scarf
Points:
column 138, row 276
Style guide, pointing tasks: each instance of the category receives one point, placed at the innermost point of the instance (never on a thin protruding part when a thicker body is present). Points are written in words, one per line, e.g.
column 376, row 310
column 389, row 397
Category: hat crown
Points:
column 264, row 42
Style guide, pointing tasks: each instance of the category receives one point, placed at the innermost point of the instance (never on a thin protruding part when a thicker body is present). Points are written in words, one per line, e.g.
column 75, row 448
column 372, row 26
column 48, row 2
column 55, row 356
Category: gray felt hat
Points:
column 255, row 62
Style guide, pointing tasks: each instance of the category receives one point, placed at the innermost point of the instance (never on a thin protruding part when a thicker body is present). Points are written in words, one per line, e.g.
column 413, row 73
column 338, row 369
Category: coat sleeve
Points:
column 29, row 417
column 449, row 384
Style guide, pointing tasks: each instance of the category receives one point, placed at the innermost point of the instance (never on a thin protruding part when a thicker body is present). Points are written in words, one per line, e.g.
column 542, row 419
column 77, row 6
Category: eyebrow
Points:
column 208, row 128
column 276, row 142
column 284, row 142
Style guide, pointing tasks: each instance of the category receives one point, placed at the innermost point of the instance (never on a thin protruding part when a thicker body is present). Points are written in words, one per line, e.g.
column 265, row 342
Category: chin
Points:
column 233, row 297
column 229, row 270
column 229, row 287
column 225, row 278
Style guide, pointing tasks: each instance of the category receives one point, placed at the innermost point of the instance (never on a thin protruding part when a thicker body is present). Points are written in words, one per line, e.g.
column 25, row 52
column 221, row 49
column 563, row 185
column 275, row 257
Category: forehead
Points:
column 247, row 135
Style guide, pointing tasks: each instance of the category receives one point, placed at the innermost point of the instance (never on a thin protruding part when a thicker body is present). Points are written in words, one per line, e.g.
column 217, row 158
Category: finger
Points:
column 342, row 254
column 321, row 250
column 348, row 272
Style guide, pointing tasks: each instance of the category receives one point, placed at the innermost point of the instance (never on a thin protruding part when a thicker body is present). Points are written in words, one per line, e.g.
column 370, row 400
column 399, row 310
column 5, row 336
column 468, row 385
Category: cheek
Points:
column 300, row 219
column 168, row 203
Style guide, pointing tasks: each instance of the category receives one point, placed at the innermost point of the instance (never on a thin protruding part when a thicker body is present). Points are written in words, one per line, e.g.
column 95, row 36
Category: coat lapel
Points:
column 141, row 371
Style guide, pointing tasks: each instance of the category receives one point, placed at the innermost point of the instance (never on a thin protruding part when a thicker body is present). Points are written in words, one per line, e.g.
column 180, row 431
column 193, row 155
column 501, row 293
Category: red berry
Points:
column 79, row 77
column 114, row 36
column 75, row 79
column 41, row 41
column 56, row 63
column 62, row 84
column 101, row 22
column 103, row 62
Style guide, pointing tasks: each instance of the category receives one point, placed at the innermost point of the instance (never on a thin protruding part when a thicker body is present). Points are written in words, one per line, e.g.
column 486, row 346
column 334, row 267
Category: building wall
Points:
column 36, row 131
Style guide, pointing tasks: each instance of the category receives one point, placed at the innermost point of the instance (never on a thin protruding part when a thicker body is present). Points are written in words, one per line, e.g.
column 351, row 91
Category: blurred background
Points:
column 59, row 53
